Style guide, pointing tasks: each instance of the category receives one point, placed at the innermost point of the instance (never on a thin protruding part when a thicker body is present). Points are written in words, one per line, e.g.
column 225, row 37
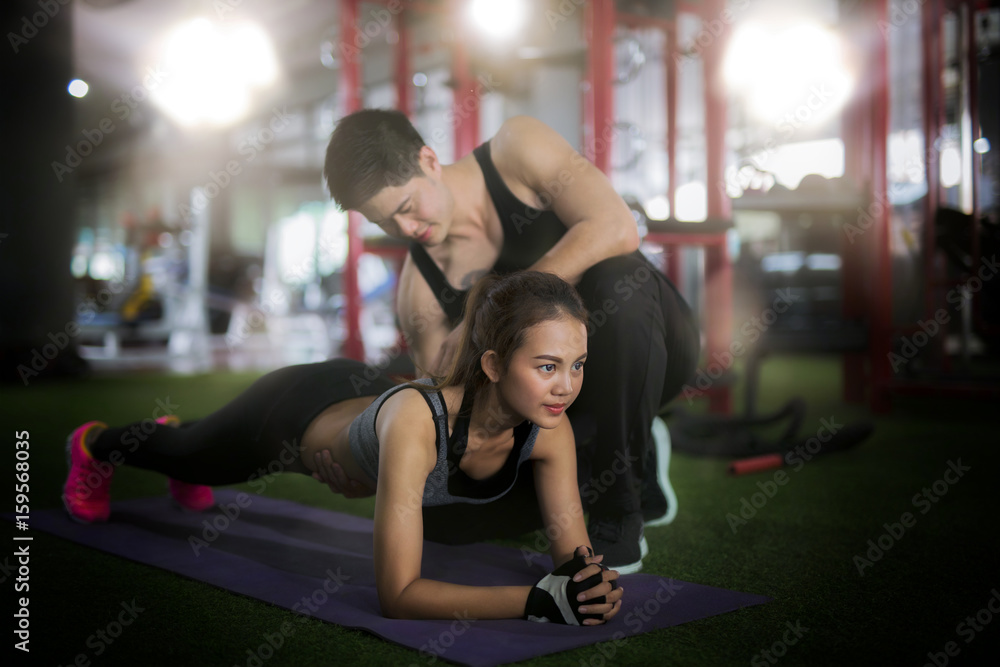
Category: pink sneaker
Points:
column 193, row 497
column 87, row 492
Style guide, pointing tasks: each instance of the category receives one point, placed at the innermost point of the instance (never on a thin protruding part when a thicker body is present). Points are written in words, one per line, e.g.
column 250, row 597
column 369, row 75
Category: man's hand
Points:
column 332, row 474
column 449, row 350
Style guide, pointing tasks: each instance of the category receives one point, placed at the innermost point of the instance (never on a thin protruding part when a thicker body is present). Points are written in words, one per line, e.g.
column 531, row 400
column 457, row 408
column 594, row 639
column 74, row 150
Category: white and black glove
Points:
column 553, row 598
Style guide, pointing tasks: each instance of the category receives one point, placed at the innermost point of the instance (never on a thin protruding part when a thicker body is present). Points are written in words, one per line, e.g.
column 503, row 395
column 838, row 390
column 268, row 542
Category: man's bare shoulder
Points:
column 526, row 148
column 518, row 134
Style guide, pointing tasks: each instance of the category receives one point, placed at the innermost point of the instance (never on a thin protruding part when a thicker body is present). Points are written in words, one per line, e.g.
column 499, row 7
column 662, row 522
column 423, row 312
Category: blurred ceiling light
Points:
column 821, row 261
column 981, row 145
column 419, row 79
column 209, row 71
column 78, row 266
column 906, row 156
column 296, row 256
column 951, row 167
column 77, row 88
column 328, row 48
column 657, row 208
column 497, row 19
column 691, row 201
column 794, row 75
column 793, row 162
column 782, row 262
column 103, row 266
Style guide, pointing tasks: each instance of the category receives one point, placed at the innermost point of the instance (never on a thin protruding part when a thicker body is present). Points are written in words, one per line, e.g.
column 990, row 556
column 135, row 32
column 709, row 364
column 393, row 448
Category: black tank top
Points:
column 528, row 233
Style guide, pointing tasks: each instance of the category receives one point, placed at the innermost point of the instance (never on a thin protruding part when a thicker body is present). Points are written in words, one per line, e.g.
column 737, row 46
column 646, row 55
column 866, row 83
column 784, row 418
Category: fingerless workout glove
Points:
column 553, row 599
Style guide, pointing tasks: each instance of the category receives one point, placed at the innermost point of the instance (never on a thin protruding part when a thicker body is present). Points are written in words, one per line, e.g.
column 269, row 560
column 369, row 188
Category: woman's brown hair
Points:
column 498, row 314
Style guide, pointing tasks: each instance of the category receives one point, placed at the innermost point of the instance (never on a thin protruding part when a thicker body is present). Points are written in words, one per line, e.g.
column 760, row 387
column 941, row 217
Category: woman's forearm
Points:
column 430, row 599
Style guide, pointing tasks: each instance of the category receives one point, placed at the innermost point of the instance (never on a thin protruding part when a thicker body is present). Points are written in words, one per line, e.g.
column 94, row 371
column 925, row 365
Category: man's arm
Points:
column 421, row 318
column 531, row 155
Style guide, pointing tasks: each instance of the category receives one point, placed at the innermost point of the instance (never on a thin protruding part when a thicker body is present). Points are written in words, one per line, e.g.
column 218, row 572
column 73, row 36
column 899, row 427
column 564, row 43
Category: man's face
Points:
column 417, row 210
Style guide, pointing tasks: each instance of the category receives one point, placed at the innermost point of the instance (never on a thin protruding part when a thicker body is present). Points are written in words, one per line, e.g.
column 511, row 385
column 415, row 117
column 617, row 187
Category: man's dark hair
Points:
column 370, row 150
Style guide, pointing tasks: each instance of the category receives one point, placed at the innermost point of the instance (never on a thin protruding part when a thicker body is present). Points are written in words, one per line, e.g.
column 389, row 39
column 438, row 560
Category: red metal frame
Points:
column 977, row 159
column 718, row 268
column 718, row 302
column 933, row 108
column 599, row 20
column 880, row 338
column 402, row 73
column 855, row 260
column 867, row 266
column 350, row 74
column 598, row 102
column 673, row 259
column 630, row 20
column 465, row 103
column 466, row 128
column 719, row 205
column 599, row 114
column 866, row 269
column 859, row 258
column 883, row 384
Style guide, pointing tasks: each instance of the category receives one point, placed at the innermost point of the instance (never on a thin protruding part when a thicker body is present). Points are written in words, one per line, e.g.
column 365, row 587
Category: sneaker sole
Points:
column 661, row 439
column 75, row 517
column 632, row 568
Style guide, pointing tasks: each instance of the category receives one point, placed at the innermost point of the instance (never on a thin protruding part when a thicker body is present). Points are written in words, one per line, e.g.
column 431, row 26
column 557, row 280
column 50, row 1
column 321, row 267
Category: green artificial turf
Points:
column 799, row 548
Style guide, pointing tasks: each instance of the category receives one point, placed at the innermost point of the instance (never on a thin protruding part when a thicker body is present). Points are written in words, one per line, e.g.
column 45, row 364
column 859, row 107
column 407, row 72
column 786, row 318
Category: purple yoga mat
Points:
column 284, row 553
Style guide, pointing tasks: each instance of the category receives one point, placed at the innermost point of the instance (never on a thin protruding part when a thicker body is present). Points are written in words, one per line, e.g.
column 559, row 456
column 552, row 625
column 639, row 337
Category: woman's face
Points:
column 546, row 372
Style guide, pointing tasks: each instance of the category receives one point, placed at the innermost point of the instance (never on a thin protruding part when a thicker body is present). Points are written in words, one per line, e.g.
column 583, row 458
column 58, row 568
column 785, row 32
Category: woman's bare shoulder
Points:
column 554, row 442
column 406, row 418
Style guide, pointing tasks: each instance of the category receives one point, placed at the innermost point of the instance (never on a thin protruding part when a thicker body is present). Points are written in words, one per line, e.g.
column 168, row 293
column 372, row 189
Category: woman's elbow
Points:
column 401, row 613
column 394, row 606
column 388, row 603
column 392, row 609
column 392, row 614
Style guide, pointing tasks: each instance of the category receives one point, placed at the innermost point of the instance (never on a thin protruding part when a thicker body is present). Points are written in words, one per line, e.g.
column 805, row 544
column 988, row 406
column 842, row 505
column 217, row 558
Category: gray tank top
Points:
column 447, row 483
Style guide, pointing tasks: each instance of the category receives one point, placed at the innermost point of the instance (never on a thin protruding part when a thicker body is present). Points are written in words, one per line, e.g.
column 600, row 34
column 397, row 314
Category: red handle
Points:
column 756, row 464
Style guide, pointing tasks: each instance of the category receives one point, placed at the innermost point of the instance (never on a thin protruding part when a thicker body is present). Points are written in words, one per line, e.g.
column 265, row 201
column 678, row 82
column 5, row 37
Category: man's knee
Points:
column 611, row 270
column 616, row 283
column 683, row 354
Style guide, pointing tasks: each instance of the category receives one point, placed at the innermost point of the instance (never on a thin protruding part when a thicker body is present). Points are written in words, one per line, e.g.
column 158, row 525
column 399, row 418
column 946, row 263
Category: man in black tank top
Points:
column 526, row 199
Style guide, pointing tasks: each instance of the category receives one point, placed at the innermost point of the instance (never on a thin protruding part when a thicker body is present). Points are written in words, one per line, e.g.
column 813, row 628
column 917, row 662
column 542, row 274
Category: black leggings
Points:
column 259, row 432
